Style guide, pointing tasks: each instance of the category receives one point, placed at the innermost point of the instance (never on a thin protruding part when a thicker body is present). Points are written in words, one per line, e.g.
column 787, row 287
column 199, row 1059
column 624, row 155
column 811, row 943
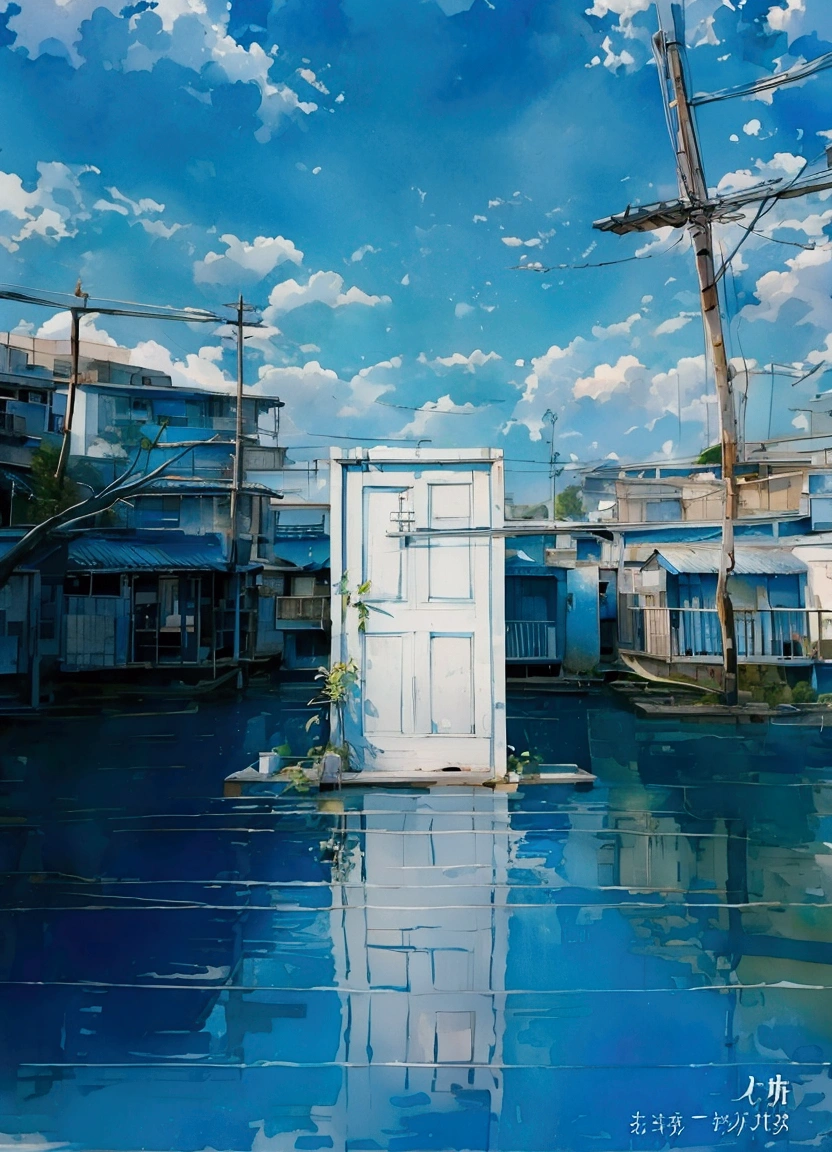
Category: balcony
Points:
column 772, row 635
column 296, row 612
column 528, row 640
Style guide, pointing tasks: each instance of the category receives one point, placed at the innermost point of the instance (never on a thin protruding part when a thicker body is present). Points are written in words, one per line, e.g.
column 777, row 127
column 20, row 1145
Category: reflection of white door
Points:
column 420, row 943
column 432, row 675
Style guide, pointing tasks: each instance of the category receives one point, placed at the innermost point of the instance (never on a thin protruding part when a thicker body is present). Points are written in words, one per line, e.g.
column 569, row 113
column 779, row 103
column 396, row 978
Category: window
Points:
column 93, row 584
column 158, row 511
column 34, row 397
column 303, row 585
column 105, row 584
column 314, row 642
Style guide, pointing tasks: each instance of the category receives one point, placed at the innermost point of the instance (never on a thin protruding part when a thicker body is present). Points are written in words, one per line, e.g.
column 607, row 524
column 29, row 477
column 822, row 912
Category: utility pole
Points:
column 75, row 354
column 554, row 456
column 692, row 186
column 696, row 211
column 240, row 323
column 237, row 481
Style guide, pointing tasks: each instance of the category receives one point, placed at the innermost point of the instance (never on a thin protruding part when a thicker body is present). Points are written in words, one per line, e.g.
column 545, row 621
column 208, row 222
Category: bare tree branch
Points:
column 100, row 502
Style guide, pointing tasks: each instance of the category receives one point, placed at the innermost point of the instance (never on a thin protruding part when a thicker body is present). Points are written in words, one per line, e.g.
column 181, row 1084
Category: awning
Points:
column 748, row 560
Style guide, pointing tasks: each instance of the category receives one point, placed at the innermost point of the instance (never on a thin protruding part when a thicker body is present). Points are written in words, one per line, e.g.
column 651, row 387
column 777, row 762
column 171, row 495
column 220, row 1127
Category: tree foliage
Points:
column 50, row 494
column 569, row 505
column 712, row 455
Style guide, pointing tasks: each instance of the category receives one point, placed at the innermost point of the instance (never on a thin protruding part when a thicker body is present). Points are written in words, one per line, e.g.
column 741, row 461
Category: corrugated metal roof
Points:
column 139, row 554
column 748, row 561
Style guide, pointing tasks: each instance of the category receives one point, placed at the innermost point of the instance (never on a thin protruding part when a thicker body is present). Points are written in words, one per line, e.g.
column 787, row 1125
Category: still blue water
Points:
column 641, row 966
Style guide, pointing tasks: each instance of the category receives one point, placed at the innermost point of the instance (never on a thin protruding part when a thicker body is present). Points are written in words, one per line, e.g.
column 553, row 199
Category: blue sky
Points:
column 371, row 172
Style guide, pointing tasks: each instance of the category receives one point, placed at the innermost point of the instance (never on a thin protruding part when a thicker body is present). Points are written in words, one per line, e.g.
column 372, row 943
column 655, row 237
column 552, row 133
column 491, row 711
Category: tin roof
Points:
column 748, row 560
column 169, row 552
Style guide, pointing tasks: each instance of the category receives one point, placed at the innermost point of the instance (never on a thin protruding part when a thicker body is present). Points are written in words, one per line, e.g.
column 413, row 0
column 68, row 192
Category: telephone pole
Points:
column 696, row 211
column 554, row 456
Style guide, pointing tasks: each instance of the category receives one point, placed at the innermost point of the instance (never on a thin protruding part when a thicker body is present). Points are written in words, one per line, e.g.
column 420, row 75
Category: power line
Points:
column 537, row 267
column 798, row 72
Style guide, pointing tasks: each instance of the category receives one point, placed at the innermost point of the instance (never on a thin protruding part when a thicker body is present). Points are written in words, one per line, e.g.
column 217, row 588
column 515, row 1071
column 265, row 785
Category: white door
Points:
column 418, row 527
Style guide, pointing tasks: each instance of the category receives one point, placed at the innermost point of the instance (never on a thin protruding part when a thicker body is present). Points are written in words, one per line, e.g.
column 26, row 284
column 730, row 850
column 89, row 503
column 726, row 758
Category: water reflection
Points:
column 646, row 965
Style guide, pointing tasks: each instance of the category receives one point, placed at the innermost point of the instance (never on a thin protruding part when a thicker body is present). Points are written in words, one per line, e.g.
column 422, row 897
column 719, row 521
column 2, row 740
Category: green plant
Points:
column 338, row 682
column 298, row 779
column 522, row 763
column 825, row 698
column 355, row 599
column 803, row 693
column 282, row 750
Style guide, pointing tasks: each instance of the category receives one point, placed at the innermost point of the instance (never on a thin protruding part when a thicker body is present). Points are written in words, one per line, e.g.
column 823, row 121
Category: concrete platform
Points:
column 239, row 783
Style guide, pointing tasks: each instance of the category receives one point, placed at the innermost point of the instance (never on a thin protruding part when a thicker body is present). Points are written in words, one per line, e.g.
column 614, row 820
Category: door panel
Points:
column 383, row 679
column 451, row 685
column 449, row 561
column 383, row 554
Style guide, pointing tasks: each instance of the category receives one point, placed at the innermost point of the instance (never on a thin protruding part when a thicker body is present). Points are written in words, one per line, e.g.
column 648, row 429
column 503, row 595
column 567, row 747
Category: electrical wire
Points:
column 765, row 207
column 798, row 72
column 789, row 243
column 603, row 264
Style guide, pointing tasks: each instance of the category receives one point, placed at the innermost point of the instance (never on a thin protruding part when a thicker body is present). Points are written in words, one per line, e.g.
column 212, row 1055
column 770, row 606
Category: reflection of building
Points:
column 419, row 940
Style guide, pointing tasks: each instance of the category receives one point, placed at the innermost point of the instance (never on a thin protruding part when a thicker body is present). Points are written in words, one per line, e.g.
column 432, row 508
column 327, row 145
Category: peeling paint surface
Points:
column 447, row 968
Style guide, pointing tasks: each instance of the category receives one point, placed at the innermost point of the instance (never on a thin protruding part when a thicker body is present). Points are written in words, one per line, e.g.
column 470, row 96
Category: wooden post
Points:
column 74, row 341
column 692, row 187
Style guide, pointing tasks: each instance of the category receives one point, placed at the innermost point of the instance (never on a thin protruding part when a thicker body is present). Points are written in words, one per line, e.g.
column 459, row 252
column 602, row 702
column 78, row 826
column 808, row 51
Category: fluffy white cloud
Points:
column 516, row 242
column 625, row 9
column 674, row 324
column 685, row 385
column 365, row 250
column 321, row 288
column 197, row 39
column 477, row 359
column 366, row 387
column 806, row 282
column 781, row 19
column 425, row 418
column 608, row 378
column 310, row 390
column 58, row 327
column 312, row 80
column 202, row 368
column 752, row 128
column 242, row 260
column 622, row 328
column 52, row 211
column 783, row 165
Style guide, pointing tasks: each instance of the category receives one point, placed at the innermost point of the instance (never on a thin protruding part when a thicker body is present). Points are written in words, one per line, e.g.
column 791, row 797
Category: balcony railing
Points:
column 313, row 610
column 530, row 640
column 762, row 634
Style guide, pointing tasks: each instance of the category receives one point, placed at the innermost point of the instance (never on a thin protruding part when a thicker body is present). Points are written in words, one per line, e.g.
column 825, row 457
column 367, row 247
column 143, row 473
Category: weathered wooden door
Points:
column 431, row 692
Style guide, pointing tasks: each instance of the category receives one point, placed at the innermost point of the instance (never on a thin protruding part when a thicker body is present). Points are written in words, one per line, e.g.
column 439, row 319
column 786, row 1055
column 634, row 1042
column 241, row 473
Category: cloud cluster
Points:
column 193, row 34
column 243, row 261
column 476, row 359
column 53, row 210
column 321, row 288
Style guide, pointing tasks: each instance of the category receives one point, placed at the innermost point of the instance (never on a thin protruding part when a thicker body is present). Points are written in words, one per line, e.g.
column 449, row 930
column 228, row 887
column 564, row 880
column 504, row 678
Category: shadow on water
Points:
column 646, row 965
